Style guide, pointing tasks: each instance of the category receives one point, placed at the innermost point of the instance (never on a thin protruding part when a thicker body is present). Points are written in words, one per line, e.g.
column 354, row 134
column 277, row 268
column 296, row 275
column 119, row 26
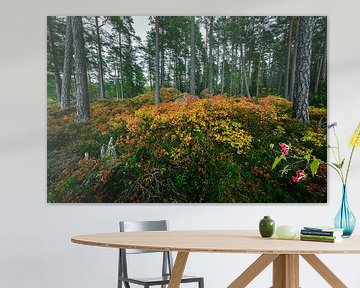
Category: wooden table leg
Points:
column 178, row 270
column 293, row 262
column 324, row 271
column 286, row 271
column 253, row 270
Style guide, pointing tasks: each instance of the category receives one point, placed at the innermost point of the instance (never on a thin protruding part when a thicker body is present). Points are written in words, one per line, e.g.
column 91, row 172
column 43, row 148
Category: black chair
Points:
column 167, row 265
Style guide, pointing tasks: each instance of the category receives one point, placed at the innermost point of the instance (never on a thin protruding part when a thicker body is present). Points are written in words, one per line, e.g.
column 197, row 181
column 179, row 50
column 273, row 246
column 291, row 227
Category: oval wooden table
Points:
column 284, row 254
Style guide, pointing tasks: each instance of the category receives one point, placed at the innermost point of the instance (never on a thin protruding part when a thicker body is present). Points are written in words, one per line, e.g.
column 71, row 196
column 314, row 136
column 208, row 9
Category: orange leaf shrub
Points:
column 184, row 150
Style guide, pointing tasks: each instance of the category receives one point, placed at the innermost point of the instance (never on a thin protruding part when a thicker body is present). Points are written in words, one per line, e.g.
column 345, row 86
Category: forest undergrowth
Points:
column 186, row 149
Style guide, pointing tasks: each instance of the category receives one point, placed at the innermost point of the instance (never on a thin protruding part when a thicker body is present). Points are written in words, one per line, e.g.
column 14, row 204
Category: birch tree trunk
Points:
column 82, row 95
column 302, row 75
column 66, row 84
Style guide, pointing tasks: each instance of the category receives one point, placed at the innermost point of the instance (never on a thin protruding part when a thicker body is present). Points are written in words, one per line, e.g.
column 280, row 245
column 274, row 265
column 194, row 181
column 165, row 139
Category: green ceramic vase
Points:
column 266, row 227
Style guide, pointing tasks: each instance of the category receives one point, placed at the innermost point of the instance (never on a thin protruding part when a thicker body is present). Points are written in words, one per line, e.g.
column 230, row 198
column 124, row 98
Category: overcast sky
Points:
column 141, row 26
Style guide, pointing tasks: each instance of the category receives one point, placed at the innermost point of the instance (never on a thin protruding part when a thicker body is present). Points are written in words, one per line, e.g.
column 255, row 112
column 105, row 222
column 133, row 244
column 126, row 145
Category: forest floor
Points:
column 189, row 150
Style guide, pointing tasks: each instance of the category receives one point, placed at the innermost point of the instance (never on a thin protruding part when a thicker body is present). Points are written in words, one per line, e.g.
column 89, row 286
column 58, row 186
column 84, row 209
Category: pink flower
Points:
column 284, row 148
column 300, row 174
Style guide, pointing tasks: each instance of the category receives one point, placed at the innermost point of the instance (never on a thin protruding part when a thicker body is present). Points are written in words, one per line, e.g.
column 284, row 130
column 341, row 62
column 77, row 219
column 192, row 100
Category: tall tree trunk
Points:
column 66, row 84
column 324, row 69
column 211, row 40
column 261, row 56
column 206, row 59
column 175, row 70
column 162, row 73
column 150, row 74
column 157, row 80
column 100, row 60
column 232, row 68
column 121, row 66
column 321, row 73
column 192, row 59
column 293, row 68
column 242, row 61
column 269, row 82
column 301, row 99
column 241, row 77
column 116, row 69
column 223, row 67
column 186, row 75
column 82, row 95
column 287, row 67
column 218, row 69
column 281, row 76
column 73, row 87
column 55, row 59
column 250, row 53
column 318, row 73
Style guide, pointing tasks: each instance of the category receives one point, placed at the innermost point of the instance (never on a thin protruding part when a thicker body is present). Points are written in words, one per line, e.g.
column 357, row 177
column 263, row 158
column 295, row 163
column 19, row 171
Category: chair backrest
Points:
column 134, row 226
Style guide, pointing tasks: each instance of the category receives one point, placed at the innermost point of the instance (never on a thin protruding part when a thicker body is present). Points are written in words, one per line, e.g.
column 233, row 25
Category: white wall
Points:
column 35, row 248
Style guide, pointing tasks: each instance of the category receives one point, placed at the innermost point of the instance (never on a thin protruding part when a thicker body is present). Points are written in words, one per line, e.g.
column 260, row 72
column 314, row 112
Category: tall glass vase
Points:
column 345, row 219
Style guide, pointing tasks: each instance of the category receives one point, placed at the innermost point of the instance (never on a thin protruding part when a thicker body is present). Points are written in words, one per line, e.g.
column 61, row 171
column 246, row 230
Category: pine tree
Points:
column 211, row 40
column 55, row 56
column 100, row 59
column 157, row 74
column 66, row 83
column 82, row 95
column 192, row 60
column 302, row 76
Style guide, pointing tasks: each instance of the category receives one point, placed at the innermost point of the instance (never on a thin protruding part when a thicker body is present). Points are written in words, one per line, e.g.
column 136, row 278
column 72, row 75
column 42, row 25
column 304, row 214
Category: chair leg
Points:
column 201, row 283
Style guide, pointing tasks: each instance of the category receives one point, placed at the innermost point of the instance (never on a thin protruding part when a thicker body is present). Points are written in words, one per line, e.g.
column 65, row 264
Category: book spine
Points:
column 320, row 233
column 319, row 236
column 318, row 239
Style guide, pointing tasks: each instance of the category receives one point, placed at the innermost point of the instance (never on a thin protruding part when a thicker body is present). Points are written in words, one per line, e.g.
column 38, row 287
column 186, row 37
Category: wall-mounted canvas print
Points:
column 187, row 109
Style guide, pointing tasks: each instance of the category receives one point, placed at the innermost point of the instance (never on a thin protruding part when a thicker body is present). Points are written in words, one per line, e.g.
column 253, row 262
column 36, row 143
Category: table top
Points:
column 217, row 241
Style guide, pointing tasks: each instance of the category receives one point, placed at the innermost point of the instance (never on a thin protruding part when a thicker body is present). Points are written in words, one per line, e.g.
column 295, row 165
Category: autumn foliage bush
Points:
column 194, row 150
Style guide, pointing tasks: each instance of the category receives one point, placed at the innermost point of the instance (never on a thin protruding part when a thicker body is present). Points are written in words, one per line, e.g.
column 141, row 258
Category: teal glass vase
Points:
column 345, row 219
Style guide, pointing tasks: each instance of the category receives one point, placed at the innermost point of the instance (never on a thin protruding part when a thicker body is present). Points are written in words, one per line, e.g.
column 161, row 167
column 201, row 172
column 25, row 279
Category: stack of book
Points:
column 321, row 234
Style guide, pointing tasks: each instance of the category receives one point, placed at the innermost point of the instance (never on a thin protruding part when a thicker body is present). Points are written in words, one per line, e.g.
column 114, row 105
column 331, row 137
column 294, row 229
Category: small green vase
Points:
column 267, row 227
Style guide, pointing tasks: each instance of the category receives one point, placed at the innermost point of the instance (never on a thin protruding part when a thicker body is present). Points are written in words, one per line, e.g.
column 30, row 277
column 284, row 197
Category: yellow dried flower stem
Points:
column 355, row 138
column 354, row 142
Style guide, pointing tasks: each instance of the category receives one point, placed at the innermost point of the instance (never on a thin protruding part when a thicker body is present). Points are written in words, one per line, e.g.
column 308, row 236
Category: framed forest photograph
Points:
column 186, row 109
